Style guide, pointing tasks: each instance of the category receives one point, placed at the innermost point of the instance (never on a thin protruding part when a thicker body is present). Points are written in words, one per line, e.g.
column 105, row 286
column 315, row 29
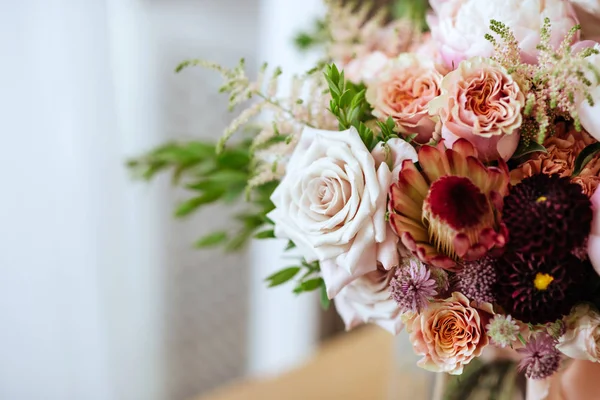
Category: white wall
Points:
column 284, row 327
column 91, row 305
column 79, row 287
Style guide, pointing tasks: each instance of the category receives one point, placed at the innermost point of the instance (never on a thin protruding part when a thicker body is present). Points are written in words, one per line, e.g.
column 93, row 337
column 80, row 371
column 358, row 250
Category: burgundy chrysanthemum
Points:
column 413, row 287
column 547, row 215
column 476, row 280
column 541, row 359
column 539, row 289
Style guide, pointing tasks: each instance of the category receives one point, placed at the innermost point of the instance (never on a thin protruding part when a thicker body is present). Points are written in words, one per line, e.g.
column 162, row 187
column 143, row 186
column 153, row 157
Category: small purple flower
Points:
column 413, row 287
column 541, row 359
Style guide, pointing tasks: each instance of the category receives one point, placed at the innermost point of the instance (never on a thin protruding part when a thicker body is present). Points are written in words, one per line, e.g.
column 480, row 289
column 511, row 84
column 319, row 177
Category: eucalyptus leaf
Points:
column 586, row 155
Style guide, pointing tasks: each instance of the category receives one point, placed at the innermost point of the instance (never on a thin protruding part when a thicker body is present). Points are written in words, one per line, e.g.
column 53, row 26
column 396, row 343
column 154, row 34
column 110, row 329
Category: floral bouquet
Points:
column 436, row 172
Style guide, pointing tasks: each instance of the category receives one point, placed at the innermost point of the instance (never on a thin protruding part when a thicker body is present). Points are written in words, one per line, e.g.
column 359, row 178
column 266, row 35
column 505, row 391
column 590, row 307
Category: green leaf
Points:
column 211, row 240
column 411, row 137
column 233, row 159
column 191, row 205
column 290, row 245
column 270, row 234
column 325, row 302
column 239, row 240
column 533, row 147
column 586, row 155
column 203, row 186
column 282, row 276
column 309, row 285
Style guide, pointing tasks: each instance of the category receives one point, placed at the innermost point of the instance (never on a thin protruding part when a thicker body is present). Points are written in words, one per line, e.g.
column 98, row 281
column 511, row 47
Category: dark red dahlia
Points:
column 547, row 215
column 539, row 289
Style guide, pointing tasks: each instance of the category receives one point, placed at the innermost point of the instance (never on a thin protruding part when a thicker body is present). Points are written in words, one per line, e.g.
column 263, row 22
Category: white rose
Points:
column 393, row 153
column 459, row 26
column 327, row 203
column 367, row 300
column 582, row 338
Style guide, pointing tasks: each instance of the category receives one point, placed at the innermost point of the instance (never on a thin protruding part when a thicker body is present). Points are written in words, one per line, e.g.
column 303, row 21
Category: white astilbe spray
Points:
column 305, row 104
column 554, row 85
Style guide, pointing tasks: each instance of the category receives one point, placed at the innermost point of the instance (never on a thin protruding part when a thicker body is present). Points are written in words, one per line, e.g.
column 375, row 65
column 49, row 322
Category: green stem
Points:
column 282, row 108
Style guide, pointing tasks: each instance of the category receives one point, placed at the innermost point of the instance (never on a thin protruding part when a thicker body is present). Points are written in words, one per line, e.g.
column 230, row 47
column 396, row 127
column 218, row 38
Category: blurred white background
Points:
column 101, row 294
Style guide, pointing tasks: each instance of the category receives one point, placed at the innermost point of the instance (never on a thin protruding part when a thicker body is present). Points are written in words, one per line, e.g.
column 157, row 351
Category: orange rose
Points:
column 449, row 333
column 562, row 150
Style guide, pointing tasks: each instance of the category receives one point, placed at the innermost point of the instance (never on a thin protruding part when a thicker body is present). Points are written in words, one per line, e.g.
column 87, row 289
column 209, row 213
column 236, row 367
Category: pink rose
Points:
column 367, row 300
column 459, row 26
column 449, row 333
column 428, row 48
column 582, row 338
column 365, row 68
column 402, row 91
column 482, row 103
column 594, row 238
column 588, row 14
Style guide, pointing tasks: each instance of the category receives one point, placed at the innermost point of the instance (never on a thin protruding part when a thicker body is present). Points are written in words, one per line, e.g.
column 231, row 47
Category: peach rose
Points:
column 582, row 338
column 562, row 150
column 403, row 90
column 449, row 333
column 482, row 103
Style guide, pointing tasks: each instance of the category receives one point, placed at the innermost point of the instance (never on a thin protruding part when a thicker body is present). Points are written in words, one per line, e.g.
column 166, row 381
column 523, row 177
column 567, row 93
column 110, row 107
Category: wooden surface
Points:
column 353, row 366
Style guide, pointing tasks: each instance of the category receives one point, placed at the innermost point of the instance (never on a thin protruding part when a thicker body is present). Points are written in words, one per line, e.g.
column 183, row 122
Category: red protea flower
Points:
column 448, row 209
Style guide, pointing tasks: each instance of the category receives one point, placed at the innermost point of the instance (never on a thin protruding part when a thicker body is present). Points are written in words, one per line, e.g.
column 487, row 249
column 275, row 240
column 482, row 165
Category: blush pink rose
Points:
column 367, row 300
column 402, row 91
column 594, row 238
column 482, row 103
column 459, row 26
column 582, row 338
column 588, row 14
column 366, row 68
column 449, row 333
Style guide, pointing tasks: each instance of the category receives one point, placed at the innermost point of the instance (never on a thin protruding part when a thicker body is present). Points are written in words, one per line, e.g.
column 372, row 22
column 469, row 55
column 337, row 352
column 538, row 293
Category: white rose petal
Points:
column 367, row 300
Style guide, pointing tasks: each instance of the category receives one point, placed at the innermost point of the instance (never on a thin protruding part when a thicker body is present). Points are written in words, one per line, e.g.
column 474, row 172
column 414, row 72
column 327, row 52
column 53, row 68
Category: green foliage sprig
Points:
column 211, row 177
column 308, row 279
column 349, row 105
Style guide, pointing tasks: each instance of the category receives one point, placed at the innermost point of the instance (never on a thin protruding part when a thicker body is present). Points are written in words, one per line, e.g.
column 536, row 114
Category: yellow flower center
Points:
column 541, row 199
column 542, row 281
